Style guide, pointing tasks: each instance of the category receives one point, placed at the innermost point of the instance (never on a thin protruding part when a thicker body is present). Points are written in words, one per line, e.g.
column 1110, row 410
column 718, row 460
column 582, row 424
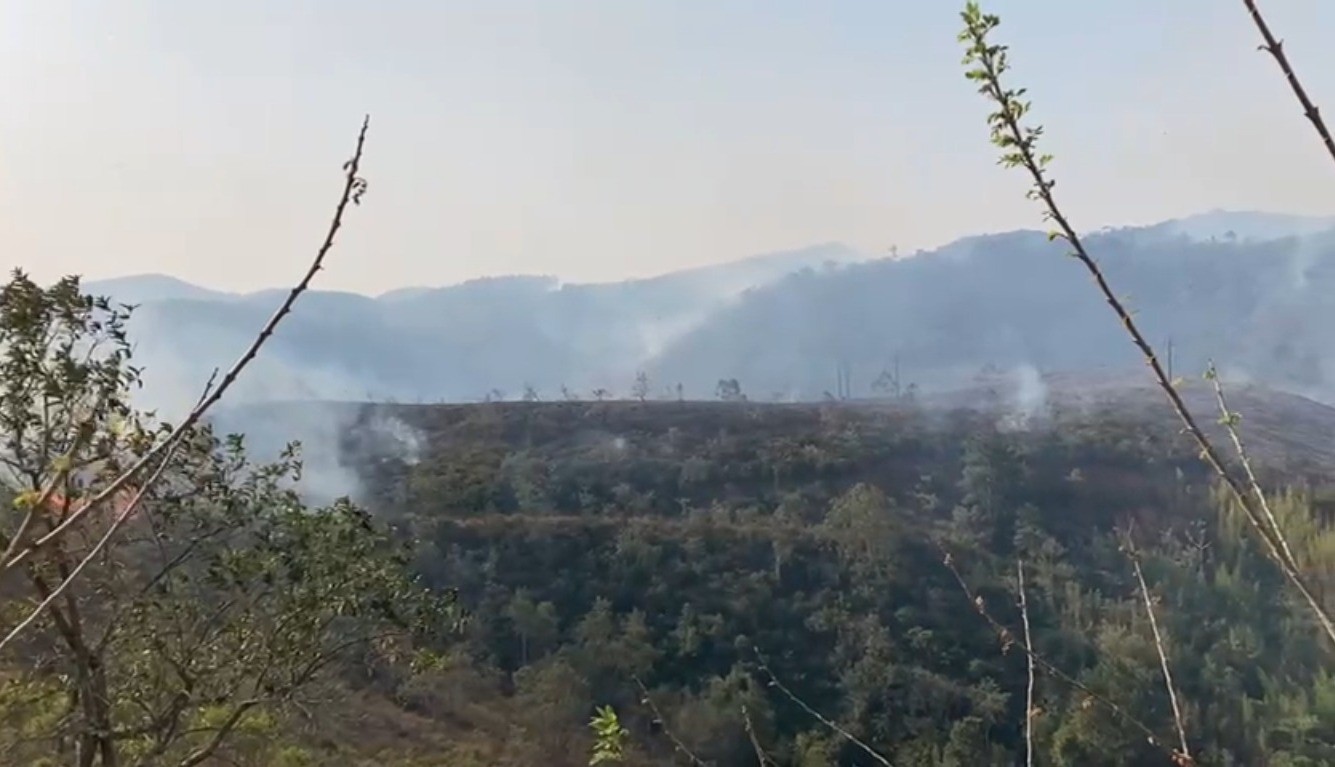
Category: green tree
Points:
column 220, row 601
column 536, row 624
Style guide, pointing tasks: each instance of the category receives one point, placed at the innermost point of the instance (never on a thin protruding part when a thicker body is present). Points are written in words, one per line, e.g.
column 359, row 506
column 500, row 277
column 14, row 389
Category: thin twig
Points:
column 1276, row 49
column 354, row 186
column 1029, row 712
column 1182, row 757
column 92, row 553
column 63, row 463
column 35, row 507
column 761, row 758
column 1007, row 639
column 202, row 754
column 661, row 721
column 1229, row 420
column 775, row 683
column 1020, row 145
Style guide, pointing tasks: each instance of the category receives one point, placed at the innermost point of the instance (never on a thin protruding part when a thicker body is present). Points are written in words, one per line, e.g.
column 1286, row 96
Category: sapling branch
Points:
column 1007, row 639
column 647, row 700
column 1029, row 711
column 1229, row 420
column 1019, row 146
column 814, row 714
column 1182, row 756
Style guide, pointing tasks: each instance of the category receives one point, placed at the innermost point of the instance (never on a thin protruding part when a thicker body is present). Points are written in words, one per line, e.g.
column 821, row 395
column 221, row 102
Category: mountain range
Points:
column 1252, row 291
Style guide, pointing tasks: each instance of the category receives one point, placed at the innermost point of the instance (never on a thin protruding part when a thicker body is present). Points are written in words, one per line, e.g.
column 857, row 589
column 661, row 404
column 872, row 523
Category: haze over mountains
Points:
column 1253, row 291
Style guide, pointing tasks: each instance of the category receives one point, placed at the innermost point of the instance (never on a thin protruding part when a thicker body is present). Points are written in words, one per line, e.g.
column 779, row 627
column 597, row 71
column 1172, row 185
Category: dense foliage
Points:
column 188, row 618
column 705, row 551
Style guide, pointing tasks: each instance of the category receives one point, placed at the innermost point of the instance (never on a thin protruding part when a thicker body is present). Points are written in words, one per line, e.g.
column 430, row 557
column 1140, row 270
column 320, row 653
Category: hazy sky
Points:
column 599, row 139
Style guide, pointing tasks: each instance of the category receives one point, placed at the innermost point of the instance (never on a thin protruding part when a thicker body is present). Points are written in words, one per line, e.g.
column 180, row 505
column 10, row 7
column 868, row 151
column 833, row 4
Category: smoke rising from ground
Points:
column 274, row 403
column 1029, row 396
column 1257, row 306
column 322, row 428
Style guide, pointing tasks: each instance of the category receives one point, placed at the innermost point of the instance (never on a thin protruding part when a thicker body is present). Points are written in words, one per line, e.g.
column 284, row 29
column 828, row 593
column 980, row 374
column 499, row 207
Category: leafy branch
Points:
column 609, row 737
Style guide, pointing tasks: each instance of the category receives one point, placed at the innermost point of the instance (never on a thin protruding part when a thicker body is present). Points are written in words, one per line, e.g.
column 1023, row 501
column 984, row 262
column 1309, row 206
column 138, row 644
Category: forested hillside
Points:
column 731, row 579
column 712, row 552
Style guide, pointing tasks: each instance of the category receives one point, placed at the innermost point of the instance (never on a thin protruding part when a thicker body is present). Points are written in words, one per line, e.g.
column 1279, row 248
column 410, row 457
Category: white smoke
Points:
column 274, row 402
column 1029, row 397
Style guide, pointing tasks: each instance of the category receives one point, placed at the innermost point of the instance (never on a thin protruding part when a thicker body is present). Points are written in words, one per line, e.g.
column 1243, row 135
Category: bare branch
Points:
column 1029, row 710
column 1007, row 639
column 1229, row 420
column 204, row 752
column 1182, row 757
column 761, row 759
column 1276, row 49
column 850, row 737
column 661, row 721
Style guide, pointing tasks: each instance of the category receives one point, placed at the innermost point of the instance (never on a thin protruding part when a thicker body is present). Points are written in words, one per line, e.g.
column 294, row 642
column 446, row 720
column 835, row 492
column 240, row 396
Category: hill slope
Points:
column 784, row 325
column 699, row 550
column 1015, row 300
column 346, row 444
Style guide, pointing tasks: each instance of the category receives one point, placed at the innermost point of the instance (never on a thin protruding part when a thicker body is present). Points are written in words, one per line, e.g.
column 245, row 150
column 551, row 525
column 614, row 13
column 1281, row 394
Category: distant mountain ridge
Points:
column 741, row 273
column 1248, row 225
column 145, row 288
column 454, row 342
column 791, row 325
